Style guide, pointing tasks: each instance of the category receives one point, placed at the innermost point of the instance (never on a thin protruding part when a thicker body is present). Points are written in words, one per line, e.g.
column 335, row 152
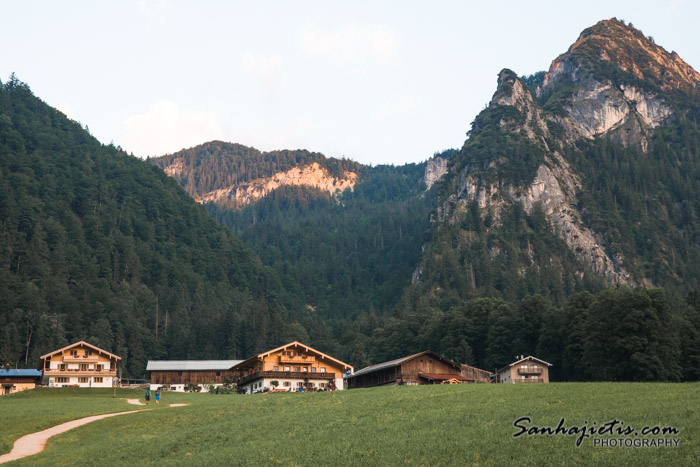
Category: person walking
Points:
column 157, row 396
column 148, row 396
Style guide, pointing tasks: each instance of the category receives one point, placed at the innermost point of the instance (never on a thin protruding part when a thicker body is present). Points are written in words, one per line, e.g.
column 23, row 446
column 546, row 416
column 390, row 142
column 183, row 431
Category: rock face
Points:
column 611, row 83
column 313, row 176
column 434, row 170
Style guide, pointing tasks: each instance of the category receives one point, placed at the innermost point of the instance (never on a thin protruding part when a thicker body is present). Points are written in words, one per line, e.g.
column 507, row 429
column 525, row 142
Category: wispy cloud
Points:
column 166, row 128
column 350, row 44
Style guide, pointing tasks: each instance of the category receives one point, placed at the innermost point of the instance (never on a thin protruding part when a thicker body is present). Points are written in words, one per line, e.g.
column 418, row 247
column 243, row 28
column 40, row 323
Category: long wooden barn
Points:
column 179, row 375
column 422, row 368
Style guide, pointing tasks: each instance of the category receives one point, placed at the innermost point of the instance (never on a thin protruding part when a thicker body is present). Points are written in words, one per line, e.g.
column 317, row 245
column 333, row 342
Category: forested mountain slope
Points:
column 344, row 237
column 102, row 246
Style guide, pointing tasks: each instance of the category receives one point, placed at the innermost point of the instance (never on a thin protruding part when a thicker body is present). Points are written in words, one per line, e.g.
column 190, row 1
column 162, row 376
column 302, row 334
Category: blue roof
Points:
column 15, row 373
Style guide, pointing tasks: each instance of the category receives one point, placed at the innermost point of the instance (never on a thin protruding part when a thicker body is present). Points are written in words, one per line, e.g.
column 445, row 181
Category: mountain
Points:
column 586, row 171
column 572, row 202
column 99, row 245
column 345, row 237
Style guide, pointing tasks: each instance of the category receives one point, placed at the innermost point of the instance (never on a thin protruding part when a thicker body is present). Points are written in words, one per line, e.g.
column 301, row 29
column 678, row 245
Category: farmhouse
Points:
column 18, row 380
column 290, row 367
column 526, row 370
column 179, row 375
column 80, row 365
column 422, row 368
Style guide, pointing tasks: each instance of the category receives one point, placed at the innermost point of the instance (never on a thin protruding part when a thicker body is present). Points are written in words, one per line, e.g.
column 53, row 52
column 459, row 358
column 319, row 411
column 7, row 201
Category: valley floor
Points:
column 436, row 425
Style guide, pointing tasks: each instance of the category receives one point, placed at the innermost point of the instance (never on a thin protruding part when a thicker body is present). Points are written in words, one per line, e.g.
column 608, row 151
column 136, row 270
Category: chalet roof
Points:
column 190, row 365
column 398, row 361
column 20, row 373
column 81, row 344
column 293, row 344
column 529, row 357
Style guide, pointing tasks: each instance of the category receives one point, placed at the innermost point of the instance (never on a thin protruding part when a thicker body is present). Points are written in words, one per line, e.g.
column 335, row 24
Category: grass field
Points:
column 424, row 425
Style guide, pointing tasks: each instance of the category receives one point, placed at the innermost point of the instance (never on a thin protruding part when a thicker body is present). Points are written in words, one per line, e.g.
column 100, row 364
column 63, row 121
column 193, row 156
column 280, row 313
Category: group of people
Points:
column 148, row 396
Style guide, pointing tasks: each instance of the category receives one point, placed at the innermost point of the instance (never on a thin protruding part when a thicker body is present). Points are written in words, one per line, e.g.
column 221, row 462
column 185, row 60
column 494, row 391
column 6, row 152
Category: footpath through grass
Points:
column 425, row 425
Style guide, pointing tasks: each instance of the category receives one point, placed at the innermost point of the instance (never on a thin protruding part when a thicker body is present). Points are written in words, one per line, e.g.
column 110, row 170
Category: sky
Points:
column 378, row 82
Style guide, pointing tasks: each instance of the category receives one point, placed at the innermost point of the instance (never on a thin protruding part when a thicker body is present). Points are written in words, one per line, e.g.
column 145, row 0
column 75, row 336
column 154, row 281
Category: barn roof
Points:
column 398, row 361
column 191, row 365
column 20, row 373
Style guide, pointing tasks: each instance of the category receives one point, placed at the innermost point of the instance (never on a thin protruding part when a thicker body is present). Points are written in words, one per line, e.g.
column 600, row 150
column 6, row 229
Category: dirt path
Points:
column 34, row 443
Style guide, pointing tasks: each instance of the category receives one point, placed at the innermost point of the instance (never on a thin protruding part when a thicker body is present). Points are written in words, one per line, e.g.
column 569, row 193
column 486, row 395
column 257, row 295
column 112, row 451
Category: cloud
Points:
column 351, row 44
column 267, row 70
column 166, row 128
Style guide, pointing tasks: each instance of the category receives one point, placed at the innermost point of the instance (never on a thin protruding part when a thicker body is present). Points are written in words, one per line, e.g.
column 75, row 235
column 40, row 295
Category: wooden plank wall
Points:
column 194, row 377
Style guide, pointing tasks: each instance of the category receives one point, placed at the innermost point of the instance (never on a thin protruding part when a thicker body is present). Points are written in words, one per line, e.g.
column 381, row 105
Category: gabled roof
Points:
column 20, row 373
column 529, row 357
column 292, row 344
column 80, row 344
column 191, row 365
column 399, row 361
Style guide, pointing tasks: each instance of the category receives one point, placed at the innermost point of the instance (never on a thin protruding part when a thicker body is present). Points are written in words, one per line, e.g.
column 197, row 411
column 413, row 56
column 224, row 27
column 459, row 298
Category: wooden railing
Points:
column 528, row 380
column 530, row 370
column 79, row 372
column 297, row 359
column 80, row 358
column 284, row 375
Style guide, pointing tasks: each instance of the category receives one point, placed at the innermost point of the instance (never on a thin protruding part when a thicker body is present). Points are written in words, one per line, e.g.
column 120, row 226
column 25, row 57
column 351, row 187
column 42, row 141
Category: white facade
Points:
column 290, row 385
column 81, row 381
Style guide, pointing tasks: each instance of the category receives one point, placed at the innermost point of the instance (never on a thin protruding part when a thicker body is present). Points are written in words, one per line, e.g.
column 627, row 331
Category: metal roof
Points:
column 388, row 364
column 190, row 365
column 10, row 373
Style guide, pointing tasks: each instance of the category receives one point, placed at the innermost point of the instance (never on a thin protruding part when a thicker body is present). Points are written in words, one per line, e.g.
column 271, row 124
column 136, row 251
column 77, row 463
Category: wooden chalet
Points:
column 526, row 370
column 19, row 380
column 80, row 365
column 422, row 368
column 291, row 367
column 180, row 375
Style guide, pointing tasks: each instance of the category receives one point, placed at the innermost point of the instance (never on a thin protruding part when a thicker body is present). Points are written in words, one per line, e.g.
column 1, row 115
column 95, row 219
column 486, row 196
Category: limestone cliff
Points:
column 434, row 170
column 313, row 176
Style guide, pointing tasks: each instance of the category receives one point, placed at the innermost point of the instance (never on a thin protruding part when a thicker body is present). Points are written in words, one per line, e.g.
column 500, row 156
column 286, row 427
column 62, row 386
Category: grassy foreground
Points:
column 425, row 425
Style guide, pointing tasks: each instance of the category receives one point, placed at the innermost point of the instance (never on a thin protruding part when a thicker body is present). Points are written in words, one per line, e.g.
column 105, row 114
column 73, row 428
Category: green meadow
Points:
column 420, row 425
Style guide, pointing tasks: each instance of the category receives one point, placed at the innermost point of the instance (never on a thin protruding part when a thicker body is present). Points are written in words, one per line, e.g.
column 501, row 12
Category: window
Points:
column 323, row 369
column 287, row 368
column 287, row 383
column 82, row 379
column 218, row 373
column 100, row 367
column 61, row 379
column 296, row 368
column 98, row 379
column 83, row 366
column 73, row 353
column 63, row 366
column 305, row 369
column 275, row 368
column 313, row 369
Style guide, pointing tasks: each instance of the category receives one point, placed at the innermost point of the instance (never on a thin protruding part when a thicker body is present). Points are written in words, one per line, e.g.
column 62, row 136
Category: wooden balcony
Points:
column 79, row 372
column 297, row 359
column 284, row 375
column 80, row 358
column 530, row 371
column 528, row 380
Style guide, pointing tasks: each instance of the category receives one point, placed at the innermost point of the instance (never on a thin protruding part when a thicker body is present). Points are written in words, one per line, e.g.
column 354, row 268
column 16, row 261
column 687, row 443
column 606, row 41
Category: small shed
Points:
column 19, row 380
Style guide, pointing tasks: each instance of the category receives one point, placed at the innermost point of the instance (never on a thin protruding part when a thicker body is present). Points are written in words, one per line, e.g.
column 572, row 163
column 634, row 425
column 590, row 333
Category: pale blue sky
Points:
column 377, row 82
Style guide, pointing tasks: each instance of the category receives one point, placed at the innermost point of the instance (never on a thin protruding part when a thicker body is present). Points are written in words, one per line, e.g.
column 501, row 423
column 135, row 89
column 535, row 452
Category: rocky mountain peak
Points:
column 610, row 46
